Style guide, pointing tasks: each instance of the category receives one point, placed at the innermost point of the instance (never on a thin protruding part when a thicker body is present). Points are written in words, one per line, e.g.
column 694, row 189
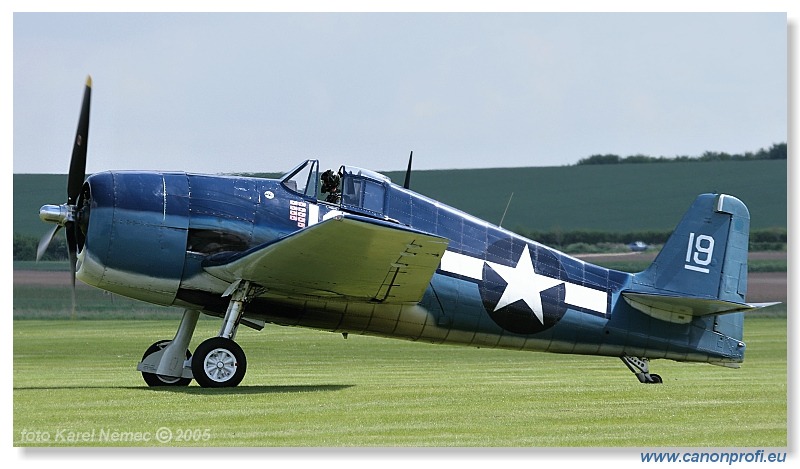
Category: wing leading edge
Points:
column 347, row 256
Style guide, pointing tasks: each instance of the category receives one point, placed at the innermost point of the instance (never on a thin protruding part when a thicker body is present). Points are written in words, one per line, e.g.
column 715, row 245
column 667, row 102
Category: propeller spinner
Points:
column 68, row 215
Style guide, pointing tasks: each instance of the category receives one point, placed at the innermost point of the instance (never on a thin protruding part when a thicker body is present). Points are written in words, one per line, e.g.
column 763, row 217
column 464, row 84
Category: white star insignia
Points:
column 524, row 284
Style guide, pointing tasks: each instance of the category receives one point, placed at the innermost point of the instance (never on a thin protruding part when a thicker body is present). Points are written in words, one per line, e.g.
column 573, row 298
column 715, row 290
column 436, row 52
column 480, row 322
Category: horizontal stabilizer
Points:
column 682, row 309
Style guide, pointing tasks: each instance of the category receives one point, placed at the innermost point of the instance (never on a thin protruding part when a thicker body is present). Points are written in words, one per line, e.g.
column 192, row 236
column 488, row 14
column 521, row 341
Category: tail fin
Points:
column 706, row 256
column 702, row 268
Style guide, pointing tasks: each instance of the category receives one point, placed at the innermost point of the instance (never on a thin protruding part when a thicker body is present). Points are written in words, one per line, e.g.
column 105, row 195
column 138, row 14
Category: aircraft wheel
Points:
column 154, row 380
column 218, row 363
column 656, row 378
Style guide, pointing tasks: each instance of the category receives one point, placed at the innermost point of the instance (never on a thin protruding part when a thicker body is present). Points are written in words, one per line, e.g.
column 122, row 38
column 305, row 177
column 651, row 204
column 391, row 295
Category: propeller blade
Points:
column 45, row 241
column 72, row 247
column 407, row 183
column 73, row 262
column 72, row 241
column 77, row 165
column 64, row 215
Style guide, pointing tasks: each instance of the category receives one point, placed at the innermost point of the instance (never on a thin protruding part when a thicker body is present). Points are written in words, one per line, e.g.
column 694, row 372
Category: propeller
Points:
column 77, row 165
column 68, row 215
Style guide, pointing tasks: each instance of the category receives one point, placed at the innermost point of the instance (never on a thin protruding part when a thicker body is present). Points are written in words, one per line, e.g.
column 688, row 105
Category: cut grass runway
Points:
column 76, row 384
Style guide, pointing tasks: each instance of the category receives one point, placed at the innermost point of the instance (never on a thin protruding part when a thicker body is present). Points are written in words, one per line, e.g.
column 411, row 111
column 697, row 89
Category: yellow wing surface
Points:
column 349, row 257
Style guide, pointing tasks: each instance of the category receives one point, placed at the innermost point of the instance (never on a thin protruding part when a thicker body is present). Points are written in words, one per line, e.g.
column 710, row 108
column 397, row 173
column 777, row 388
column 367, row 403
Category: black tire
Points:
column 218, row 363
column 656, row 379
column 154, row 380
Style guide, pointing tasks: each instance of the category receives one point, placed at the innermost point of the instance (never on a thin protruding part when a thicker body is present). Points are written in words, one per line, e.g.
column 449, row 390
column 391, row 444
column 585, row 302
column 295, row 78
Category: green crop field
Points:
column 618, row 198
column 75, row 384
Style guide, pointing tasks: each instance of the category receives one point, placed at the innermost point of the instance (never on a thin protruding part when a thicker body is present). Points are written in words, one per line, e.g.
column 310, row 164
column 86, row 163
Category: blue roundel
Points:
column 509, row 292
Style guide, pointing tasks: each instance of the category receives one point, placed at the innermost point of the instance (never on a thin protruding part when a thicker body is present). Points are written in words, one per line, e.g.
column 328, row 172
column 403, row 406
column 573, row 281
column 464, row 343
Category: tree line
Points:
column 25, row 248
column 777, row 151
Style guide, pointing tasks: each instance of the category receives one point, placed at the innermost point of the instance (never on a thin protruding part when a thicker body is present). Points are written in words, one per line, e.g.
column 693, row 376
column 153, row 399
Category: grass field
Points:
column 75, row 384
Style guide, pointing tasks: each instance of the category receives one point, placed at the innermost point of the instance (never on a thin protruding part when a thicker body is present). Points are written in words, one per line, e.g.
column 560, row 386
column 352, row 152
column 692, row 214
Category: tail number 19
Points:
column 699, row 252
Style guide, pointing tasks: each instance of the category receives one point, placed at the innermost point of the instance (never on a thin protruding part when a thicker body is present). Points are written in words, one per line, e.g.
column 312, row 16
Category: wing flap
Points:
column 347, row 256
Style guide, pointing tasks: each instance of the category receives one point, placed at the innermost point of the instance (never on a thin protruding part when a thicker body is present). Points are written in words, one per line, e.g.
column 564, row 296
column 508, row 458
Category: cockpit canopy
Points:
column 361, row 190
column 303, row 178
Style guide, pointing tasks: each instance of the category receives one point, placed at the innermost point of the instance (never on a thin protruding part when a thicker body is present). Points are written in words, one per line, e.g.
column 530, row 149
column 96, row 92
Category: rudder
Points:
column 706, row 255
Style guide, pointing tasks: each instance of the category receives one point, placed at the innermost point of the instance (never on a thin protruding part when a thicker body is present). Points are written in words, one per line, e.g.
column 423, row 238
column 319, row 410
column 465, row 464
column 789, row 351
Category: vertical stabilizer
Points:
column 706, row 255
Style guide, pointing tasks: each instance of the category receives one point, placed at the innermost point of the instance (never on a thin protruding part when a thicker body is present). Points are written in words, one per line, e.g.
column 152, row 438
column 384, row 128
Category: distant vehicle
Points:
column 638, row 246
column 372, row 257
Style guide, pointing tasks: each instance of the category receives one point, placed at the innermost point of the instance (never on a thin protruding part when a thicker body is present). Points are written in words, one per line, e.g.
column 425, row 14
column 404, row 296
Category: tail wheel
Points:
column 154, row 380
column 218, row 363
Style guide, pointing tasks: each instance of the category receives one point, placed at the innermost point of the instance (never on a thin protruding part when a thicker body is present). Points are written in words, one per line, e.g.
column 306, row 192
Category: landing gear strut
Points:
column 167, row 362
column 641, row 368
column 153, row 379
column 220, row 362
column 217, row 362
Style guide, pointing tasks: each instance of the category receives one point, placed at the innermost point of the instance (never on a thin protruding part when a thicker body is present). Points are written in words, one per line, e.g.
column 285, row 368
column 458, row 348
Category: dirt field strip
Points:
column 761, row 286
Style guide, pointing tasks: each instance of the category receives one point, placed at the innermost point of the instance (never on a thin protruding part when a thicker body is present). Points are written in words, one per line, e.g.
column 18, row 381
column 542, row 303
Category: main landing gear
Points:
column 641, row 368
column 217, row 362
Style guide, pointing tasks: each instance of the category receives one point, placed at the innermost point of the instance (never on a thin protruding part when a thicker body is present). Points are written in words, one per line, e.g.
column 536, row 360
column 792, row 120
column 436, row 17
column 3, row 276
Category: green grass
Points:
column 309, row 388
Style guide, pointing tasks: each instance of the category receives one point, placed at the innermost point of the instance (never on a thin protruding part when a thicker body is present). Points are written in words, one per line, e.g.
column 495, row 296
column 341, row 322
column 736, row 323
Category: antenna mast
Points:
column 505, row 211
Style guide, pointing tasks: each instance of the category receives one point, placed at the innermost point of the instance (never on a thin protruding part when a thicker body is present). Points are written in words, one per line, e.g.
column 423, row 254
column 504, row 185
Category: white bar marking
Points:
column 313, row 214
column 585, row 297
column 575, row 295
column 461, row 264
column 696, row 269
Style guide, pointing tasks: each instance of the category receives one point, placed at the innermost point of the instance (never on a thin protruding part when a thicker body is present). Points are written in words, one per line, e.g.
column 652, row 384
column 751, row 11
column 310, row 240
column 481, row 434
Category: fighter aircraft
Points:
column 349, row 251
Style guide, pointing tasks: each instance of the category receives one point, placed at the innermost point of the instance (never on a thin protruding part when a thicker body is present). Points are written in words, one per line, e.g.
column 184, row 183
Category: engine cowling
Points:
column 135, row 237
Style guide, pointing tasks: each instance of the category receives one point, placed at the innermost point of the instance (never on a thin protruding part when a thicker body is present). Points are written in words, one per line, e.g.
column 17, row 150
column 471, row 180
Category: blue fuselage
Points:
column 149, row 233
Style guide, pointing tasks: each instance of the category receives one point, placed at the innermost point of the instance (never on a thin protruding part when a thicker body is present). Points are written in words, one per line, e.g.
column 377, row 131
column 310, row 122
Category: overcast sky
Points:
column 225, row 92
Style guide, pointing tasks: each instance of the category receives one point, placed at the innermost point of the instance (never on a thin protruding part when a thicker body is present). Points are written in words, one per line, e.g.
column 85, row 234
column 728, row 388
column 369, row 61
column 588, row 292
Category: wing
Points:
column 347, row 256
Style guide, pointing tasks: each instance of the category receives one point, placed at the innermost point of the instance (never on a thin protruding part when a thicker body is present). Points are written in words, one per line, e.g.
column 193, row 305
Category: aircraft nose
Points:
column 58, row 214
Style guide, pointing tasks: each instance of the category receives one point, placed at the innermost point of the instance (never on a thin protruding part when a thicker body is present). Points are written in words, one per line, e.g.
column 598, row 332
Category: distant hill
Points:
column 620, row 197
